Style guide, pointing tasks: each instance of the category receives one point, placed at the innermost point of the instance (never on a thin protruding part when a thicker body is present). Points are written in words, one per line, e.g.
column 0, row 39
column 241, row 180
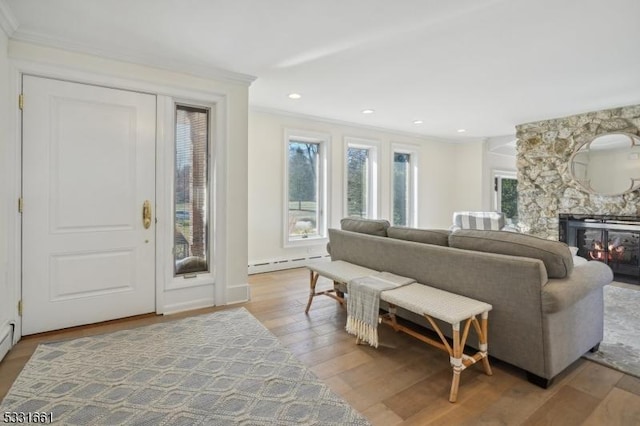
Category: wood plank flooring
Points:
column 403, row 382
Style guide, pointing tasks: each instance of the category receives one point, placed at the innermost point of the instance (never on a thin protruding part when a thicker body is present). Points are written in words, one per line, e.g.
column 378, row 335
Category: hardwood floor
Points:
column 403, row 382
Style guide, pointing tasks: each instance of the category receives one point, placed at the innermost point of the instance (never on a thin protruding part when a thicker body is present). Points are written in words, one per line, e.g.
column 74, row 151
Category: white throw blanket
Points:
column 363, row 303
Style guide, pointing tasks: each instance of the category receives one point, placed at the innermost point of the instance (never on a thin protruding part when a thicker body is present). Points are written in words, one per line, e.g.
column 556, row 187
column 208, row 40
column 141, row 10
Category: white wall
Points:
column 437, row 180
column 230, row 256
column 476, row 163
column 468, row 166
column 7, row 308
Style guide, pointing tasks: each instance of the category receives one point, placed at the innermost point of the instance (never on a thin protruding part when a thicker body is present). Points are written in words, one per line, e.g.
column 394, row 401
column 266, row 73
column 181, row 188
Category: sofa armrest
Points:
column 559, row 293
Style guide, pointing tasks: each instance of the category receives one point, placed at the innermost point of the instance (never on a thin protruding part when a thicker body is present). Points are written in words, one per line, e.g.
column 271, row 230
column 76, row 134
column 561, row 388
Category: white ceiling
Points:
column 482, row 65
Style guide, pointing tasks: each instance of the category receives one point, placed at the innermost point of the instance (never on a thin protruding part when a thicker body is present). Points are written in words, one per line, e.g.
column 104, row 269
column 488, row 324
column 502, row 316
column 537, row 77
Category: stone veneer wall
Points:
column 545, row 187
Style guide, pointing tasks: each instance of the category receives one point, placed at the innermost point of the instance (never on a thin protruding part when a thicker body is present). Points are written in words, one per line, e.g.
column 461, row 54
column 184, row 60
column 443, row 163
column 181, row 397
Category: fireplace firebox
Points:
column 614, row 240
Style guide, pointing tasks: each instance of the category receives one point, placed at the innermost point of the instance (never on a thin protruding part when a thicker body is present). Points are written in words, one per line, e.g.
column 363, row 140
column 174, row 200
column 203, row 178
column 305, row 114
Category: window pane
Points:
column 304, row 216
column 357, row 182
column 191, row 243
column 401, row 188
column 509, row 198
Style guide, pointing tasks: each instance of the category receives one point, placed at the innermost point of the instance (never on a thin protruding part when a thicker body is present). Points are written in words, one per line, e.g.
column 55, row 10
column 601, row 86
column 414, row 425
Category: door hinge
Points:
column 20, row 307
column 21, row 101
column 20, row 204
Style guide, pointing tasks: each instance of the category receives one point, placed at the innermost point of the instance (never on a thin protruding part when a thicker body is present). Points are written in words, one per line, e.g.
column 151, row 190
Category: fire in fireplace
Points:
column 613, row 253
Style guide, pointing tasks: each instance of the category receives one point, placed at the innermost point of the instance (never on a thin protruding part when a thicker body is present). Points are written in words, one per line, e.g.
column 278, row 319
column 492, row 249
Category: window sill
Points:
column 180, row 282
column 302, row 242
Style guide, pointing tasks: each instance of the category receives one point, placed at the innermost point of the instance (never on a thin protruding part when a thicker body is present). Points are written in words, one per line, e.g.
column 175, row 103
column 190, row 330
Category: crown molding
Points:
column 8, row 21
column 167, row 64
column 267, row 110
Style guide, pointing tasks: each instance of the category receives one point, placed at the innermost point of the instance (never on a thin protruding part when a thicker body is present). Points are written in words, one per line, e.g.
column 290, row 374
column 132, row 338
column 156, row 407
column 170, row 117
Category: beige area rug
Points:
column 223, row 368
column 620, row 348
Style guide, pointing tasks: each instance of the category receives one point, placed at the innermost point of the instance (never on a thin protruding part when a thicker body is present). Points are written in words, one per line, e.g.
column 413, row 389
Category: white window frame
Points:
column 412, row 150
column 324, row 139
column 373, row 195
column 496, row 182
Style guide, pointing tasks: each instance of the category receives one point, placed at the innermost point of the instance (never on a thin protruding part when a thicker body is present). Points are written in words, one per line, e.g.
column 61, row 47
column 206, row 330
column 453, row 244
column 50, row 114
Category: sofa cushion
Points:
column 438, row 237
column 555, row 255
column 365, row 226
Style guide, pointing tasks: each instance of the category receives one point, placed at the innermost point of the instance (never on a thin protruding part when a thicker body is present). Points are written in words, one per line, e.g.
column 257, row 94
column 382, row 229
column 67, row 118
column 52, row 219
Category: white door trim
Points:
column 18, row 68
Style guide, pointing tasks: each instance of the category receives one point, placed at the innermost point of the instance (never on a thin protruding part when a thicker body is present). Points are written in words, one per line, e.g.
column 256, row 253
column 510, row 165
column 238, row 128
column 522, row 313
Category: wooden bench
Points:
column 423, row 300
column 340, row 272
column 448, row 307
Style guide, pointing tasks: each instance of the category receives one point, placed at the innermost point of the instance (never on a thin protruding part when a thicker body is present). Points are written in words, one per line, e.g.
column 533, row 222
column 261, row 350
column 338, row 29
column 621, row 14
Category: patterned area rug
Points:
column 223, row 368
column 621, row 344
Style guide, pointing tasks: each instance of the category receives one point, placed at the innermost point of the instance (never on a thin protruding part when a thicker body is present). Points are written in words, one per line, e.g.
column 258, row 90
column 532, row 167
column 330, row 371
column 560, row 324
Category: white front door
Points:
column 88, row 167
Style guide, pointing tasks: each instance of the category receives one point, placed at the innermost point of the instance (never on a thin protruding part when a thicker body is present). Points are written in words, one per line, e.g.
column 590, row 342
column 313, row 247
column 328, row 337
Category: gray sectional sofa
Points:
column 546, row 312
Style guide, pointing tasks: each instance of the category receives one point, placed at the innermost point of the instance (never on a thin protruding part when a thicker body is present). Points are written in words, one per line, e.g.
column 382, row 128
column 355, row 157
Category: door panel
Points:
column 77, row 152
column 88, row 167
column 73, row 275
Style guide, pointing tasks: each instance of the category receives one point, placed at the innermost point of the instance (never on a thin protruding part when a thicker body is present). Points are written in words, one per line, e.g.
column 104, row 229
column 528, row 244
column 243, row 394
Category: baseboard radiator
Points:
column 6, row 339
column 280, row 264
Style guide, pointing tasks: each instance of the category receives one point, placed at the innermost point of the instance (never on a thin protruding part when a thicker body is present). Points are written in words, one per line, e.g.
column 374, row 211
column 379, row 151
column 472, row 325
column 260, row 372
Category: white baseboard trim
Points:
column 6, row 339
column 238, row 294
column 280, row 264
column 187, row 306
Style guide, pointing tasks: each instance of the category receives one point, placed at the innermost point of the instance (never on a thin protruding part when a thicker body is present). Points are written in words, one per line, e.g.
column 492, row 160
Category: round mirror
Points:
column 609, row 164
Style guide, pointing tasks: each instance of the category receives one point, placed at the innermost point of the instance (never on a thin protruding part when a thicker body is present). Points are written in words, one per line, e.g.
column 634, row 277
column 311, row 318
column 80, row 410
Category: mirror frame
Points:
column 585, row 184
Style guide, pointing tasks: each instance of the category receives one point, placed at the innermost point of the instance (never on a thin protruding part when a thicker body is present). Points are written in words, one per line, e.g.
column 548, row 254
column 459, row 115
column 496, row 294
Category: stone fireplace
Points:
column 545, row 187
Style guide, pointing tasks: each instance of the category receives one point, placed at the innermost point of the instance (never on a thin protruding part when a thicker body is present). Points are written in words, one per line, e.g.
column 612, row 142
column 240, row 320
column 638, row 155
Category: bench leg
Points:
column 334, row 293
column 392, row 317
column 482, row 340
column 456, row 363
column 339, row 295
column 458, row 360
column 313, row 280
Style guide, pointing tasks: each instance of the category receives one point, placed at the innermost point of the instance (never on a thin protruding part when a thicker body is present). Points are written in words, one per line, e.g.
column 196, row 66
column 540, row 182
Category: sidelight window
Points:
column 191, row 182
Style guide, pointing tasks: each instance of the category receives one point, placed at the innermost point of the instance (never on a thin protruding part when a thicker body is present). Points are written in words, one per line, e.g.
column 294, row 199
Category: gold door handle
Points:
column 146, row 214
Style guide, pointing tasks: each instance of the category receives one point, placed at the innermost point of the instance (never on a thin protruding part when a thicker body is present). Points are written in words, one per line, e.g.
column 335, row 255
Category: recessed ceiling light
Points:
column 294, row 96
column 368, row 111
column 418, row 121
column 462, row 130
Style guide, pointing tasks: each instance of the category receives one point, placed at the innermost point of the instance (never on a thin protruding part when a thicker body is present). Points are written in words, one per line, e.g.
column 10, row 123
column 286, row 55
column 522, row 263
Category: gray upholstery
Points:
column 555, row 255
column 539, row 324
column 427, row 236
column 365, row 226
